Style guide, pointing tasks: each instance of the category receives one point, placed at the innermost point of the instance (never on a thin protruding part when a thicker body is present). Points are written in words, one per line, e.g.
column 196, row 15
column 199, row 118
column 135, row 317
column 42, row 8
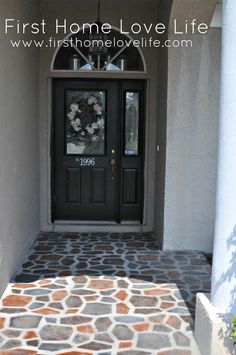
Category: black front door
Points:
column 97, row 150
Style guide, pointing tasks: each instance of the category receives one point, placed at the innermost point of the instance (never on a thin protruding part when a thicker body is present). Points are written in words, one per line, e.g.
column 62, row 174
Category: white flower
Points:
column 74, row 107
column 92, row 100
column 95, row 125
column 100, row 123
column 76, row 125
column 97, row 108
column 90, row 130
column 71, row 115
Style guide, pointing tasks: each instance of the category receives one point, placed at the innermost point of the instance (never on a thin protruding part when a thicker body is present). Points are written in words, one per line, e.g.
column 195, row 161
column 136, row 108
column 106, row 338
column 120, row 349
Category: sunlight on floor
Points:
column 103, row 294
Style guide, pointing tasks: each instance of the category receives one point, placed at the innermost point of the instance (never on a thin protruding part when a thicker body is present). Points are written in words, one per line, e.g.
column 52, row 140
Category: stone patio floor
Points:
column 102, row 294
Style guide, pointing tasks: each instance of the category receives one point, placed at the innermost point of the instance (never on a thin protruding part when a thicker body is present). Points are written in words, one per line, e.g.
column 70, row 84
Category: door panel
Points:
column 98, row 149
column 84, row 111
column 73, row 185
column 98, row 186
column 130, row 186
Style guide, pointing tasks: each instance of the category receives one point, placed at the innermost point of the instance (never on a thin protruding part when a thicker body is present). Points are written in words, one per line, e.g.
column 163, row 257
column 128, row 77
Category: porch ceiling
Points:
column 201, row 10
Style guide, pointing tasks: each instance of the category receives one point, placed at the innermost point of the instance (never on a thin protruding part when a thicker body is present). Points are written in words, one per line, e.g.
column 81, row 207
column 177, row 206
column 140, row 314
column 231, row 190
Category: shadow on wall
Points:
column 229, row 276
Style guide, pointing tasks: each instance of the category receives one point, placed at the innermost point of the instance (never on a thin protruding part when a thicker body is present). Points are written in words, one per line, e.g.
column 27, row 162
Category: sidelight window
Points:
column 132, row 110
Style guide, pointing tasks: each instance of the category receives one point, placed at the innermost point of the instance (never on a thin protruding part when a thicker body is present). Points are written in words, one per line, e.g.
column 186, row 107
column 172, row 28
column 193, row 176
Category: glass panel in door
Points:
column 132, row 110
column 85, row 121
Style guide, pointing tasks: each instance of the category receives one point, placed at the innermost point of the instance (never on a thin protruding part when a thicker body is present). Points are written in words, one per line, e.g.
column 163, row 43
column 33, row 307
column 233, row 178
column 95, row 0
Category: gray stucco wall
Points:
column 19, row 176
column 192, row 131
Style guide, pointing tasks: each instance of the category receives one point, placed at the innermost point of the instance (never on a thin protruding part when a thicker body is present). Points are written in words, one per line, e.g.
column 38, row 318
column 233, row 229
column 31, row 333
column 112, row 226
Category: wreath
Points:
column 86, row 120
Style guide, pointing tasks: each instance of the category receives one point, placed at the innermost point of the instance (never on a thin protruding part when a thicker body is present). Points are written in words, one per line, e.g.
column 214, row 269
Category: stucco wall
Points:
column 19, row 178
column 192, row 131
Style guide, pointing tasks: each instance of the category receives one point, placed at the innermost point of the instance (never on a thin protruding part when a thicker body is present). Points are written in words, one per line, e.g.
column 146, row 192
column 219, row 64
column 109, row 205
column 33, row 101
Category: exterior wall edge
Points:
column 212, row 328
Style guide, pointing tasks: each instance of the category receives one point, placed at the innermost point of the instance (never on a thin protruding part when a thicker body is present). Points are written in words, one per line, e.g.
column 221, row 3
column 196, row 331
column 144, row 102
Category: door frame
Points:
column 122, row 89
column 45, row 125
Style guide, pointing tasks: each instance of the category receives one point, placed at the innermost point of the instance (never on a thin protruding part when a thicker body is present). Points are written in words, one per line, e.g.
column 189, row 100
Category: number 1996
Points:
column 87, row 161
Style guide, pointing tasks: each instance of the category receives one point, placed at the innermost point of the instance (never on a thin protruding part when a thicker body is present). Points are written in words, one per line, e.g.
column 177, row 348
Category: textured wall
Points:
column 183, row 10
column 19, row 178
column 192, row 131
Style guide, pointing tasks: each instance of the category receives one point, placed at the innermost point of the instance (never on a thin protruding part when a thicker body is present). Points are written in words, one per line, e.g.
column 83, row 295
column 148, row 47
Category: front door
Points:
column 98, row 150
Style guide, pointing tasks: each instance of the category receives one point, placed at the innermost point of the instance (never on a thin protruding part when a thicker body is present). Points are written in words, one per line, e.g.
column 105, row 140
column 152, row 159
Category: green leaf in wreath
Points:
column 90, row 149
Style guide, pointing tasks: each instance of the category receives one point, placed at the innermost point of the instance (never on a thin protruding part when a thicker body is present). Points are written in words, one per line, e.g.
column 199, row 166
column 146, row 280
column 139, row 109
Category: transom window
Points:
column 88, row 51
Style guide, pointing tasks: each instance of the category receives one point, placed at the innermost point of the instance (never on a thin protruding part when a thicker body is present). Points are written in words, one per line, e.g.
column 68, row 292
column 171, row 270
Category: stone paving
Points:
column 102, row 294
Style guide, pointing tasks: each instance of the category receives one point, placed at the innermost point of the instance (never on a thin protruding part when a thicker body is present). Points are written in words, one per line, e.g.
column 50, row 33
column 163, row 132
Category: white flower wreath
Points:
column 76, row 122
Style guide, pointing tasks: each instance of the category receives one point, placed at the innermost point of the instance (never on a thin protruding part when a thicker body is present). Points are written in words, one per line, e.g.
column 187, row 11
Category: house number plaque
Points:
column 86, row 161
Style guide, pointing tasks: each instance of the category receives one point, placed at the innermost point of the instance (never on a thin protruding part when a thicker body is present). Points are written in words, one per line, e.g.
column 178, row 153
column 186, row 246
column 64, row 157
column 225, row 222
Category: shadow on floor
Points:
column 135, row 256
column 101, row 293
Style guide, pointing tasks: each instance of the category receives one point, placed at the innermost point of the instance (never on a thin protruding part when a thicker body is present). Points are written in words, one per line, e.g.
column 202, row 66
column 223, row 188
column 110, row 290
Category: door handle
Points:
column 113, row 164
